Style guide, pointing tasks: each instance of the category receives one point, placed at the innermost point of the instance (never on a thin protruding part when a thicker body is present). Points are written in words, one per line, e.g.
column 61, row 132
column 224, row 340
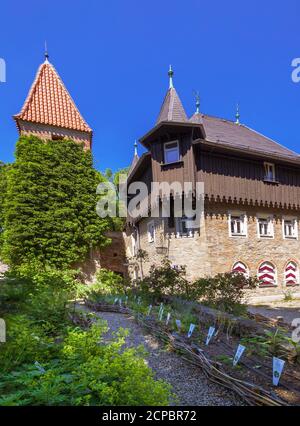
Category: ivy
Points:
column 50, row 204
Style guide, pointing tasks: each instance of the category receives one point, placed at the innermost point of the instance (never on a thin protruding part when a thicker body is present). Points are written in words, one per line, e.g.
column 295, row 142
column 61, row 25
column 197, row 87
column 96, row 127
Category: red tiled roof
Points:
column 49, row 102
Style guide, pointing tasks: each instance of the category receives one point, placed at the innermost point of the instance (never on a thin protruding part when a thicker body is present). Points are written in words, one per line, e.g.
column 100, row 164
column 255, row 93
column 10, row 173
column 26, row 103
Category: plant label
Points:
column 238, row 354
column 150, row 309
column 161, row 314
column 178, row 323
column 191, row 329
column 39, row 367
column 116, row 300
column 120, row 302
column 278, row 365
column 168, row 318
column 160, row 308
column 126, row 300
column 210, row 334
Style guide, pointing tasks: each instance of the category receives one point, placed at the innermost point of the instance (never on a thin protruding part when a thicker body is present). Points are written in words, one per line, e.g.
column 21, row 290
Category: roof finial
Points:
column 170, row 74
column 135, row 148
column 197, row 96
column 237, row 115
column 46, row 53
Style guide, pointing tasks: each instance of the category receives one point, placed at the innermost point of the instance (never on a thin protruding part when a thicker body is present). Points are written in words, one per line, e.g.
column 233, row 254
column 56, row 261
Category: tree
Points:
column 50, row 209
column 3, row 168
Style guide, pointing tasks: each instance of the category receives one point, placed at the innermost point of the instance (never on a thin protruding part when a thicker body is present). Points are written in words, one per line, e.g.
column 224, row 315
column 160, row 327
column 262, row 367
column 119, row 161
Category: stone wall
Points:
column 46, row 132
column 212, row 250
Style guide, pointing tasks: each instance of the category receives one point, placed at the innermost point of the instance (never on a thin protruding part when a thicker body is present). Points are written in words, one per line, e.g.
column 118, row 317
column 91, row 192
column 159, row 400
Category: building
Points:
column 252, row 198
column 49, row 112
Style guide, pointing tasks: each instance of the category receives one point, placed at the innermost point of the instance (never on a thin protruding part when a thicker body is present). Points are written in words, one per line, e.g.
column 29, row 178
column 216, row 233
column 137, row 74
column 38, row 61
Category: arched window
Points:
column 241, row 268
column 267, row 274
column 291, row 274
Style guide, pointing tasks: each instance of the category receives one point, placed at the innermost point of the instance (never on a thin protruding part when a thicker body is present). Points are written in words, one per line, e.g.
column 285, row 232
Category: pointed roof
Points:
column 134, row 160
column 49, row 102
column 172, row 109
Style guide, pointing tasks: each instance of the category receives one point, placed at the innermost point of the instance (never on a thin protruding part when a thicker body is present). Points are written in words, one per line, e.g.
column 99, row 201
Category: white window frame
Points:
column 151, row 238
column 290, row 219
column 270, row 173
column 166, row 150
column 270, row 225
column 179, row 228
column 244, row 221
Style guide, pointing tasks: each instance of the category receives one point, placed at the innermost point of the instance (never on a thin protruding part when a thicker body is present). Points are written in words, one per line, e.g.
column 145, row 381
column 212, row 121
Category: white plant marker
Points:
column 39, row 367
column 178, row 323
column 210, row 334
column 126, row 300
column 191, row 329
column 278, row 365
column 168, row 318
column 238, row 354
column 160, row 308
column 120, row 302
column 116, row 300
column 161, row 314
column 150, row 309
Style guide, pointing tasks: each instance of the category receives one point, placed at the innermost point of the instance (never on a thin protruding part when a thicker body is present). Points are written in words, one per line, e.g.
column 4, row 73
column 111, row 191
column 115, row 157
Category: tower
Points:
column 49, row 112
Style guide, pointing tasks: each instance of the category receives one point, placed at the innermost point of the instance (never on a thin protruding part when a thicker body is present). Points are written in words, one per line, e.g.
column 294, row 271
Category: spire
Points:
column 46, row 53
column 197, row 103
column 135, row 148
column 237, row 115
column 49, row 103
column 170, row 74
column 172, row 109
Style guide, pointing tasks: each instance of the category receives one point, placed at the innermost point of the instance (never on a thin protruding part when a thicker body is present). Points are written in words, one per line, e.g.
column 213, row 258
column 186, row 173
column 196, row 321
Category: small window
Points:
column 267, row 274
column 151, row 232
column 184, row 226
column 171, row 152
column 291, row 274
column 290, row 228
column 269, row 172
column 237, row 225
column 265, row 227
column 241, row 268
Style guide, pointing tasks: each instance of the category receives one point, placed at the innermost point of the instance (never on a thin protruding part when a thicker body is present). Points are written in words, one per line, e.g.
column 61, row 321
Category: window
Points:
column 171, row 152
column 267, row 274
column 241, row 268
column 290, row 228
column 269, row 172
column 151, row 231
column 265, row 228
column 291, row 274
column 184, row 226
column 237, row 225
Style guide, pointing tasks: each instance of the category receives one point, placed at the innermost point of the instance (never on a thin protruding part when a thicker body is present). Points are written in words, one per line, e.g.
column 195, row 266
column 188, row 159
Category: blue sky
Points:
column 114, row 57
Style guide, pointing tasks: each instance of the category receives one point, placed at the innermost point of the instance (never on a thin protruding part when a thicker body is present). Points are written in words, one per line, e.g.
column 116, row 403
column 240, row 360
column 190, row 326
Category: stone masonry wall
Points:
column 213, row 251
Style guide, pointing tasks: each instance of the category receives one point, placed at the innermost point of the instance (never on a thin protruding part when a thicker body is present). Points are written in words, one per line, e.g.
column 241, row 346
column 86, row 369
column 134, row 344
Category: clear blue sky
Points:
column 114, row 55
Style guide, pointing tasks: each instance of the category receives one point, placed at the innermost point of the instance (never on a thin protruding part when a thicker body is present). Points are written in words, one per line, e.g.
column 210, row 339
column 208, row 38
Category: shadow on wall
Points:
column 112, row 257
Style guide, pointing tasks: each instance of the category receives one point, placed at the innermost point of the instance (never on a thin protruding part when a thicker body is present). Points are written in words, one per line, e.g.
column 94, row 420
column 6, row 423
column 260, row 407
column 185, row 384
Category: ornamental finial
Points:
column 135, row 148
column 170, row 74
column 46, row 53
column 237, row 115
column 197, row 96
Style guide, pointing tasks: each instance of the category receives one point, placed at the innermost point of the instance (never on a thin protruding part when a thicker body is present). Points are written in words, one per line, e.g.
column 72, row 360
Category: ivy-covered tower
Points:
column 49, row 112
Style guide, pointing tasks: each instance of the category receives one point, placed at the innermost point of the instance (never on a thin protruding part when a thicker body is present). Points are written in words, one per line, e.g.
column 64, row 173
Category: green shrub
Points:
column 108, row 283
column 224, row 291
column 165, row 280
column 88, row 372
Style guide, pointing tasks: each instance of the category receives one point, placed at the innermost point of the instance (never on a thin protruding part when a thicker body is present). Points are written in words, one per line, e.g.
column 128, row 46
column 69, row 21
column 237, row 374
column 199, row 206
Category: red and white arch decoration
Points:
column 291, row 274
column 267, row 274
column 241, row 268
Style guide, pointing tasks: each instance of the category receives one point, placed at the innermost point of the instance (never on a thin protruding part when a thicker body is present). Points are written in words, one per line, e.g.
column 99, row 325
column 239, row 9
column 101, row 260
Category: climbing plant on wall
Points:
column 50, row 214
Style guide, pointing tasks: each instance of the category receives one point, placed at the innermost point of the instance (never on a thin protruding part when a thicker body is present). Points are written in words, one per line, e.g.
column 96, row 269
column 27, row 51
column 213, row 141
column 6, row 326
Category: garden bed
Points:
column 251, row 378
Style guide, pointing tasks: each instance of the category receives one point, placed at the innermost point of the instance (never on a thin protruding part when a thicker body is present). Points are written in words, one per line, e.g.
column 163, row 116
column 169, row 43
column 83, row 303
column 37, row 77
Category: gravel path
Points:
column 287, row 310
column 188, row 382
